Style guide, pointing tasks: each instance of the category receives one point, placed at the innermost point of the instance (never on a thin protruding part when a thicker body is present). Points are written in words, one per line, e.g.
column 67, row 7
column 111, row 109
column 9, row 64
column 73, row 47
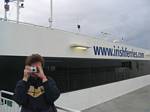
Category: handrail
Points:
column 58, row 107
column 6, row 92
column 24, row 23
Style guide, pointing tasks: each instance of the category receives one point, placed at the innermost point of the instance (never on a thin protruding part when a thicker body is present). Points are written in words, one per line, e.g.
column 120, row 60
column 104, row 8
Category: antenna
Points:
column 18, row 11
column 51, row 14
column 6, row 6
column 18, row 8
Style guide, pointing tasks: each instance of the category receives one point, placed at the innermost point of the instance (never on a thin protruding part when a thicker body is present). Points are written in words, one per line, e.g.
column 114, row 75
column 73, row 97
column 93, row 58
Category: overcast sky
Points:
column 129, row 19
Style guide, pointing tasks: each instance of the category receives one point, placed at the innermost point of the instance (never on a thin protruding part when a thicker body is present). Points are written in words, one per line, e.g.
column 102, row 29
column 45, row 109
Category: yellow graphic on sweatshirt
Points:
column 35, row 92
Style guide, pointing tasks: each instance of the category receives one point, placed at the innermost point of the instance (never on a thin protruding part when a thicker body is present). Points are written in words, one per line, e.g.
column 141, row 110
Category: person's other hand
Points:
column 27, row 72
column 41, row 73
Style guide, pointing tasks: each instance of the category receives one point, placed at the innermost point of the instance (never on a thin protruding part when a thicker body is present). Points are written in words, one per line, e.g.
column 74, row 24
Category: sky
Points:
column 120, row 19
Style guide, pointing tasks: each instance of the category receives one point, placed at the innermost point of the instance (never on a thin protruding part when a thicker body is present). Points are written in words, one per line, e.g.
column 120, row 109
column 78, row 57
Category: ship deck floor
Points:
column 136, row 101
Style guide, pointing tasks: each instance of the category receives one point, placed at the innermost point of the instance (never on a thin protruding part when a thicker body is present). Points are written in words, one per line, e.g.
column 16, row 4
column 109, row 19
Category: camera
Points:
column 34, row 69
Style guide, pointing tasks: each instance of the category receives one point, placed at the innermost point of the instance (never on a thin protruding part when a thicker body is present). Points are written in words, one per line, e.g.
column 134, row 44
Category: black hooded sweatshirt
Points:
column 36, row 96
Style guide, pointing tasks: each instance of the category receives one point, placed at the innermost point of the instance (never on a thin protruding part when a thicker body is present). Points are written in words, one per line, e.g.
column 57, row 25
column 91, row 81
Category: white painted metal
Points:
column 23, row 40
column 19, row 39
column 8, row 105
column 5, row 16
column 86, row 98
column 51, row 14
column 18, row 11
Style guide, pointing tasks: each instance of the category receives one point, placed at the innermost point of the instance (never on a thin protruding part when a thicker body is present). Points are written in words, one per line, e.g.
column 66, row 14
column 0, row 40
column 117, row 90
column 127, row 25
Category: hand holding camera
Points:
column 40, row 73
column 34, row 71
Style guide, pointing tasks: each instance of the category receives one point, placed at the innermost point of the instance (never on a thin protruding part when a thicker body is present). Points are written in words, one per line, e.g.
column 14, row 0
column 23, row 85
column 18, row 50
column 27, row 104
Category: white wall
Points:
column 23, row 40
column 26, row 39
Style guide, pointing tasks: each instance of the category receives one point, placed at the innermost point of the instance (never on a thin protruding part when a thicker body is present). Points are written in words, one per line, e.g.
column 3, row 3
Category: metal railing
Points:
column 24, row 23
column 31, row 24
column 8, row 105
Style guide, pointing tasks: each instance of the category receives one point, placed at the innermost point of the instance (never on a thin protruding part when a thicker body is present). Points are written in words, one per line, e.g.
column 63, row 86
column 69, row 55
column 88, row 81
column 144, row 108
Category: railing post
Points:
column 0, row 98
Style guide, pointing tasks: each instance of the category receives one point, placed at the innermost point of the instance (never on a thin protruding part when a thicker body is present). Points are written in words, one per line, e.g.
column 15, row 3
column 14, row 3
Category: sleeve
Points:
column 20, row 95
column 51, row 91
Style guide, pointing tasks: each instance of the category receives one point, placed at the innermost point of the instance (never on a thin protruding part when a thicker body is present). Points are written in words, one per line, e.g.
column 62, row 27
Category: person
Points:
column 35, row 92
